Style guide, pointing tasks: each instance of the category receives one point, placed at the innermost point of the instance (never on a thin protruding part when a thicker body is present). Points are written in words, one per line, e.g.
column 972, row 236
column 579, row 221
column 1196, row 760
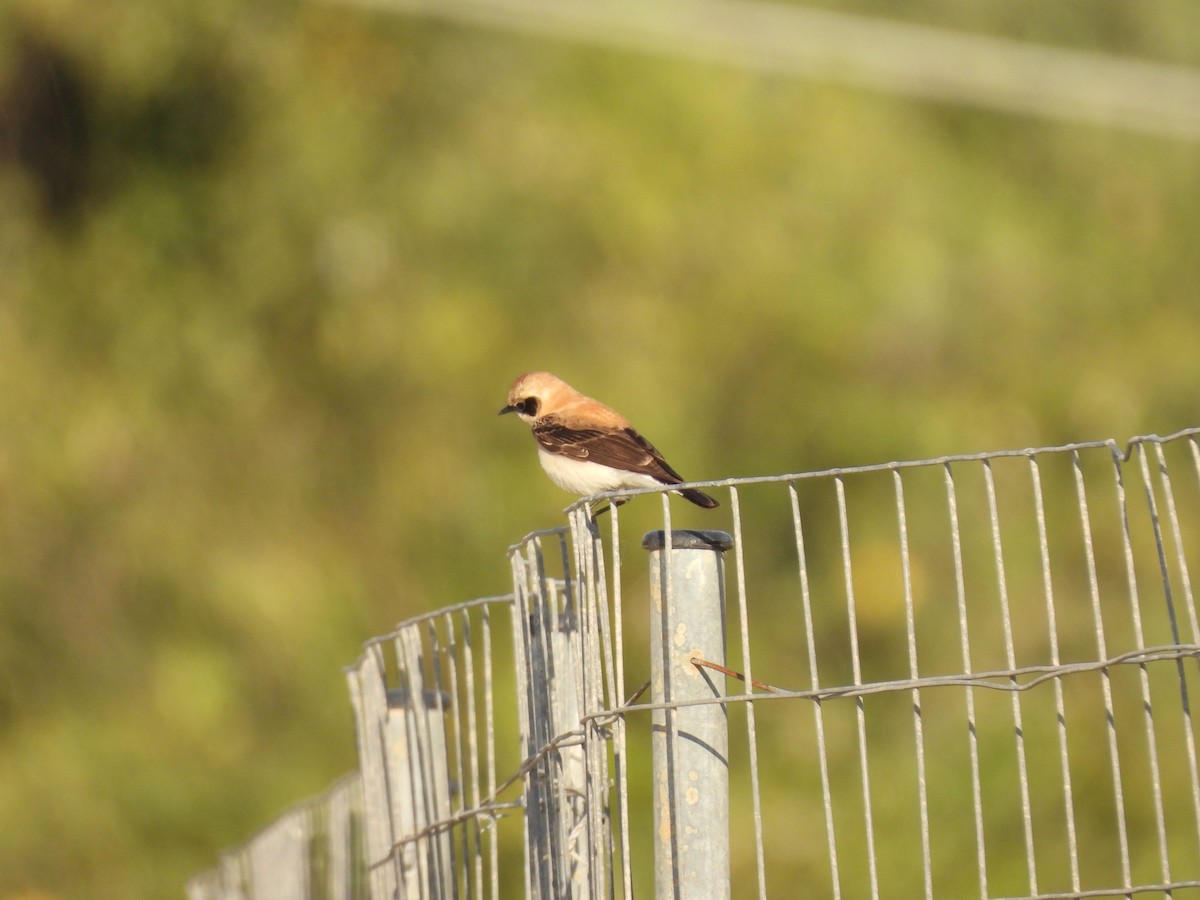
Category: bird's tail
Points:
column 699, row 498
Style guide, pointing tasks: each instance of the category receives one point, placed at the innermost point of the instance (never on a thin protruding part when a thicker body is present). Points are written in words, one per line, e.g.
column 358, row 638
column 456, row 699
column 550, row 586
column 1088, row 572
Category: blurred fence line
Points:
column 877, row 53
column 959, row 677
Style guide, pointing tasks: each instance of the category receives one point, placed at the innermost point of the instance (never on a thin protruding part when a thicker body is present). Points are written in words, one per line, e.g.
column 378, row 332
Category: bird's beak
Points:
column 507, row 409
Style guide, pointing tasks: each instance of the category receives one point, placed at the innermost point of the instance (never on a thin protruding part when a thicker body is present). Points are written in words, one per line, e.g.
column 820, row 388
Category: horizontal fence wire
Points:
column 968, row 676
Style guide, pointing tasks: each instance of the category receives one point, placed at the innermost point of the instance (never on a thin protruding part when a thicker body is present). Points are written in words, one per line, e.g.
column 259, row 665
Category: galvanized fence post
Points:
column 690, row 744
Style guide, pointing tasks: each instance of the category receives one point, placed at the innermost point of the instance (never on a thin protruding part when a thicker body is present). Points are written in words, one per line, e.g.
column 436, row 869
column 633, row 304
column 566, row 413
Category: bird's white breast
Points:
column 585, row 478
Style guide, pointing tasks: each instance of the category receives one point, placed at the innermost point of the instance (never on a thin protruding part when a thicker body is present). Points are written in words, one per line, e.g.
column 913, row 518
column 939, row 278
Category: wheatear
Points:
column 586, row 447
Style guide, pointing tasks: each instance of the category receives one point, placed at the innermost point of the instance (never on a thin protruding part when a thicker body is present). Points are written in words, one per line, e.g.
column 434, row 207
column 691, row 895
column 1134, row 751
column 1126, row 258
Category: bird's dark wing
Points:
column 622, row 449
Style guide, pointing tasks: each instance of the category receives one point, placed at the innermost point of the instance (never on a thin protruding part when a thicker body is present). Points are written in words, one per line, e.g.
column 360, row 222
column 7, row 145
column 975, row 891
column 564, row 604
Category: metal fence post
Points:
column 690, row 744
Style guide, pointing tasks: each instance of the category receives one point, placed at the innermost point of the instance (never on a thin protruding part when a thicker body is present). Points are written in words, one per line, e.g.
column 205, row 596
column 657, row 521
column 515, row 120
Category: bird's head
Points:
column 535, row 395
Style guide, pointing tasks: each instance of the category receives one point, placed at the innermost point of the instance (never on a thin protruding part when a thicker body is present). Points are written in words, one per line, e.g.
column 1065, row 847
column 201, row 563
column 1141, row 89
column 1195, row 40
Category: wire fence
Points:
column 958, row 677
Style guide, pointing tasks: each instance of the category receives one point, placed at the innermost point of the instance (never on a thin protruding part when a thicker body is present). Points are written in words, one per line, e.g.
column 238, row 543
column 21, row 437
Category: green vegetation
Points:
column 266, row 271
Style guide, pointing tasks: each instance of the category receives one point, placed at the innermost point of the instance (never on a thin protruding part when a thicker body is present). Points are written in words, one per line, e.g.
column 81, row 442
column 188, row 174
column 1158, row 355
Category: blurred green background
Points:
column 266, row 271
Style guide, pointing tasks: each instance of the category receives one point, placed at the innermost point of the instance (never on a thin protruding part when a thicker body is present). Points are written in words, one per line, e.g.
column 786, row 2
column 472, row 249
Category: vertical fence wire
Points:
column 595, row 663
column 543, row 850
column 413, row 786
column 1135, row 611
column 522, row 678
column 1114, row 758
column 751, row 730
column 859, row 702
column 620, row 744
column 1010, row 658
column 665, row 881
column 960, row 592
column 469, row 780
column 815, row 685
column 1169, row 593
column 489, row 718
column 1189, row 604
column 910, row 627
column 600, row 688
column 449, row 688
column 1055, row 659
column 594, row 642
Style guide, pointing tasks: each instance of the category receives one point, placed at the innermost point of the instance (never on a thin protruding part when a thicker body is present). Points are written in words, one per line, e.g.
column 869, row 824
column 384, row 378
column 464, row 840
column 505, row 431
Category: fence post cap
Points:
column 687, row 539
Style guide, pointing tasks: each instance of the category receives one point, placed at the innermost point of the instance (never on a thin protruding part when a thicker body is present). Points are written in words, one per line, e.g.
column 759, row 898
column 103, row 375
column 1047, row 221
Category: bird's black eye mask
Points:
column 526, row 407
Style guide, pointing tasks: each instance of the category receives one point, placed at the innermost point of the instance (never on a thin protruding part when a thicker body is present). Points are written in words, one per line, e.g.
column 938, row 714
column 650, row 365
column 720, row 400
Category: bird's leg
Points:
column 598, row 510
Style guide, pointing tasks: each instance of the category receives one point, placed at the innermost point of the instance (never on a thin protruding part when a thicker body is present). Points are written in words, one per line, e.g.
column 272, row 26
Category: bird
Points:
column 587, row 447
